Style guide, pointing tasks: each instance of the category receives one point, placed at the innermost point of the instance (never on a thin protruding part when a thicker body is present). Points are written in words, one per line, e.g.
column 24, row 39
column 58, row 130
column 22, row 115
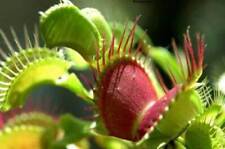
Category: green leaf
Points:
column 64, row 25
column 211, row 115
column 167, row 62
column 31, row 68
column 197, row 132
column 208, row 127
column 108, row 142
column 155, row 140
column 69, row 130
column 77, row 61
column 187, row 106
column 98, row 19
column 87, row 28
column 72, row 83
column 74, row 128
column 30, row 118
column 204, row 136
column 31, row 133
column 175, row 145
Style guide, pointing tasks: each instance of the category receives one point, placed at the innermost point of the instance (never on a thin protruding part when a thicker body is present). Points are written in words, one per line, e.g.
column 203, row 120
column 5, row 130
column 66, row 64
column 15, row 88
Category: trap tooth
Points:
column 211, row 136
column 21, row 137
column 27, row 69
column 30, row 118
column 155, row 114
column 186, row 106
column 208, row 127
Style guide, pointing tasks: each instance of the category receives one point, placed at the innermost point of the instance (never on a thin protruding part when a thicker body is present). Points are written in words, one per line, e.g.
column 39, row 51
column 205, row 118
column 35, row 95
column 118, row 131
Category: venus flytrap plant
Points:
column 127, row 100
column 21, row 72
column 128, row 116
column 131, row 100
column 17, row 72
column 208, row 127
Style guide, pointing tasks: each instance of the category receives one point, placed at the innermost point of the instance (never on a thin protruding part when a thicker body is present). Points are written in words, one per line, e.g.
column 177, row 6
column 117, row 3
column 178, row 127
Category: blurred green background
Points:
column 163, row 19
